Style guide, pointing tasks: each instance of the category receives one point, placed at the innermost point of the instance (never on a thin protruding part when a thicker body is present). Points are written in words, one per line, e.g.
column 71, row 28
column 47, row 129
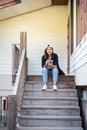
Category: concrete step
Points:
column 39, row 85
column 50, row 110
column 50, row 101
column 50, row 121
column 49, row 128
column 50, row 93
column 62, row 78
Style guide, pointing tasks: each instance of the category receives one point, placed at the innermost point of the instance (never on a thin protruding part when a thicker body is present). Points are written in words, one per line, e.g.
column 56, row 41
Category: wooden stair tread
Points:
column 40, row 82
column 49, row 90
column 45, row 106
column 50, row 98
column 63, row 78
column 49, row 128
column 51, row 117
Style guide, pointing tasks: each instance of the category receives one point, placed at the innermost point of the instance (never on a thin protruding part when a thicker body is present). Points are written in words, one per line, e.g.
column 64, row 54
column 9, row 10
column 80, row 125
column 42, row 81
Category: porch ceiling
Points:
column 26, row 6
column 23, row 7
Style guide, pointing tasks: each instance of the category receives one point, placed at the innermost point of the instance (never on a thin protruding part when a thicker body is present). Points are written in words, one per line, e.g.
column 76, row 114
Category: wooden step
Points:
column 39, row 85
column 50, row 121
column 50, row 93
column 50, row 101
column 50, row 110
column 63, row 78
column 49, row 128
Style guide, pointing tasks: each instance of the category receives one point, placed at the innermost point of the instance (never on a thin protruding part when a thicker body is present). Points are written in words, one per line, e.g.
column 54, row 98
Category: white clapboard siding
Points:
column 79, row 56
column 50, row 28
column 36, row 53
column 5, row 58
column 78, row 62
column 5, row 84
column 45, row 26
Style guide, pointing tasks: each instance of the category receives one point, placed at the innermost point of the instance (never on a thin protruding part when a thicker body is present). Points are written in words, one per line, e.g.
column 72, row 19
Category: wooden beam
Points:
column 59, row 2
column 23, row 42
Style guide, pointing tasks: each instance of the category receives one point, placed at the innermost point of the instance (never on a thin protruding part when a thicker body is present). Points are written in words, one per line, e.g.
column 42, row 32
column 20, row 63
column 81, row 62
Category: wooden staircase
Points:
column 50, row 110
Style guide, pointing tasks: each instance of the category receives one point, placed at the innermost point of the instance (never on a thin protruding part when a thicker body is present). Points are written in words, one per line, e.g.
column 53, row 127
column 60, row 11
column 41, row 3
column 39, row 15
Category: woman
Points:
column 49, row 67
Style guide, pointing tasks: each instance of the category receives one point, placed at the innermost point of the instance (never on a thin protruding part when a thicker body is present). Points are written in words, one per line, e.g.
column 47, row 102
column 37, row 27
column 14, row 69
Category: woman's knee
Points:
column 44, row 70
column 55, row 70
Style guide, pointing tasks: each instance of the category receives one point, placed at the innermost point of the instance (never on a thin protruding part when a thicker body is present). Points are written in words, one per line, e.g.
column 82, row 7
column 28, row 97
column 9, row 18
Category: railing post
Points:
column 12, row 112
column 0, row 107
column 84, row 112
column 23, row 42
column 15, row 60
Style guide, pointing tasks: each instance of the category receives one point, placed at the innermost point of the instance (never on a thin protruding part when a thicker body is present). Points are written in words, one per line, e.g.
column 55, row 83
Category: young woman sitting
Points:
column 50, row 67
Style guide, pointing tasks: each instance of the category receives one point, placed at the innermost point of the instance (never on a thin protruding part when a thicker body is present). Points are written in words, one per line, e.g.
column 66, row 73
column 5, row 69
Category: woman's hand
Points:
column 50, row 65
column 46, row 63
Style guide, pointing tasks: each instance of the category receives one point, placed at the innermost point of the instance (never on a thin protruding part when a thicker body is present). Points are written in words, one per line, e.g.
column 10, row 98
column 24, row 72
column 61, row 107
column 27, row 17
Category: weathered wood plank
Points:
column 63, row 78
column 84, row 111
column 12, row 112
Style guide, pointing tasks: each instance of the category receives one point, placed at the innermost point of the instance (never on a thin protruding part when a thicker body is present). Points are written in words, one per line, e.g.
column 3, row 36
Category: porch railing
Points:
column 20, row 79
column 14, row 100
column 15, row 60
column 84, row 108
column 84, row 112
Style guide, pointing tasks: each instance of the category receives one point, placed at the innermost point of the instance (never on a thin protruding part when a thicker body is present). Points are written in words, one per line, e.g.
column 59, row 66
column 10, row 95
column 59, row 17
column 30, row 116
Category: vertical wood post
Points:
column 0, row 107
column 84, row 113
column 15, row 61
column 12, row 112
column 23, row 42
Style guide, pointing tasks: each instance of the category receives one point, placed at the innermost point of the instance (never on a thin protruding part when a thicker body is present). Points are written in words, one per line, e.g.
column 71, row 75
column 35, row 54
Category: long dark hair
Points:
column 46, row 56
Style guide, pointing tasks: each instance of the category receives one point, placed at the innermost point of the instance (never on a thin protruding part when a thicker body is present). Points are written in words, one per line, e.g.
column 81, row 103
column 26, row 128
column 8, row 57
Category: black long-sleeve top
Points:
column 55, row 60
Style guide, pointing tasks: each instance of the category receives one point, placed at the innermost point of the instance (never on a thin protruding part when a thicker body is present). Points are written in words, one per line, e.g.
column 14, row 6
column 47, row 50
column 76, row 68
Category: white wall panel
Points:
column 45, row 26
column 78, row 62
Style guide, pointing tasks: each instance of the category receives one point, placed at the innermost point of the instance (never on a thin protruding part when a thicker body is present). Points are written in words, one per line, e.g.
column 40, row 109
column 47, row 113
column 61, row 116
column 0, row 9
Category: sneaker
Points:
column 54, row 87
column 44, row 87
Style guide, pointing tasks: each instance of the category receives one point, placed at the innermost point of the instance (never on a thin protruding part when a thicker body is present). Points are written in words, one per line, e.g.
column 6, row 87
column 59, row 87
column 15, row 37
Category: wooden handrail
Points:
column 15, row 60
column 15, row 87
column 20, row 78
column 14, row 100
